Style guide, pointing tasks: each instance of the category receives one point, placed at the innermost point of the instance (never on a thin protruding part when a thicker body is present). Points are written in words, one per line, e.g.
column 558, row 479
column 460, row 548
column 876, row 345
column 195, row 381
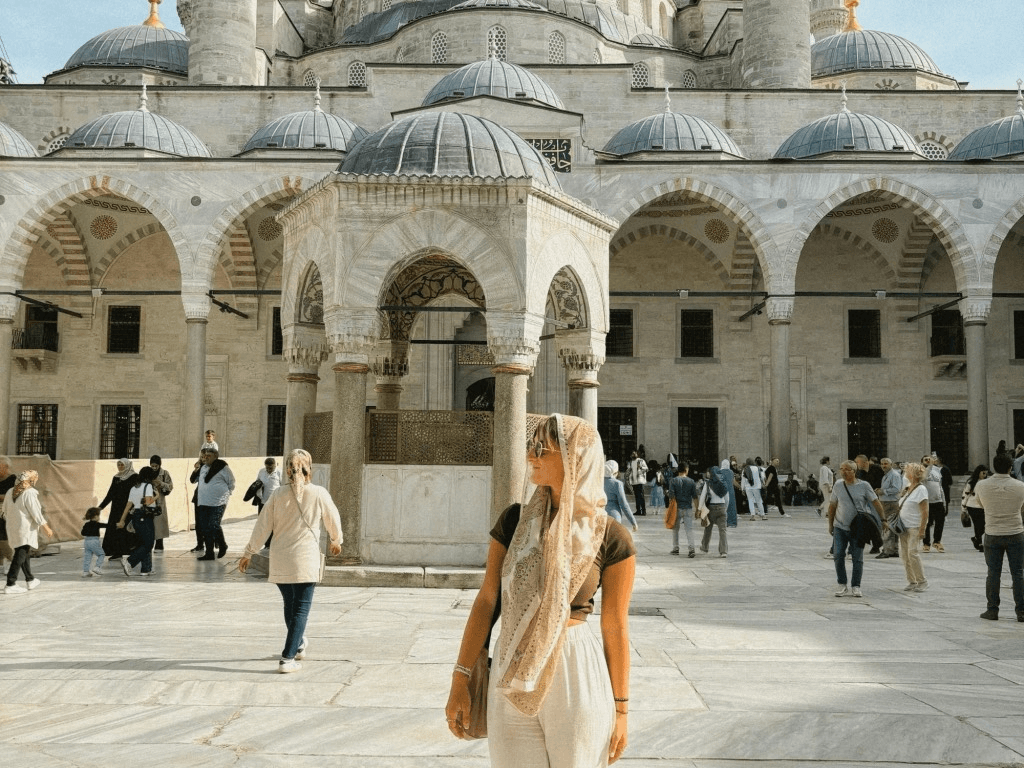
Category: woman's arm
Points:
column 627, row 513
column 616, row 591
column 109, row 497
column 477, row 627
column 123, row 520
column 924, row 519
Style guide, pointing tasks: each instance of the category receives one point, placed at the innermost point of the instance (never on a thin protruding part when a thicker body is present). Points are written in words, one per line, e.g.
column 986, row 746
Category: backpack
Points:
column 718, row 484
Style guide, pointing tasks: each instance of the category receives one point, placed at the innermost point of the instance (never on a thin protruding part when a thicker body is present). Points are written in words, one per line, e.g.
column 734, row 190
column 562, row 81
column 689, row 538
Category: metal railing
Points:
column 36, row 337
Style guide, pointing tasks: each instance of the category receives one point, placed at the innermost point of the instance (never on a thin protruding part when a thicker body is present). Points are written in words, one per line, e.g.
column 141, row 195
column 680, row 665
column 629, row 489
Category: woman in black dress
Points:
column 117, row 542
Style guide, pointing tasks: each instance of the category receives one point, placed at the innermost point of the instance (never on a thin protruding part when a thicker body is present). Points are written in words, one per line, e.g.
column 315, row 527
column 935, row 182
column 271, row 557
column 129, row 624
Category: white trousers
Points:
column 574, row 726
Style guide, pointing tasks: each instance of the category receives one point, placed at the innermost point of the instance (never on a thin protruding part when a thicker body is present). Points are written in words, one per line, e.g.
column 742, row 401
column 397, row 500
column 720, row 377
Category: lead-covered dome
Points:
column 867, row 49
column 493, row 77
column 139, row 45
column 447, row 144
column 671, row 132
column 1003, row 138
column 847, row 132
column 13, row 144
column 312, row 129
column 137, row 129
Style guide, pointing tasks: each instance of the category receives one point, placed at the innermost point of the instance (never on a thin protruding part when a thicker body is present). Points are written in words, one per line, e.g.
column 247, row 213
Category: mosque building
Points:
column 386, row 228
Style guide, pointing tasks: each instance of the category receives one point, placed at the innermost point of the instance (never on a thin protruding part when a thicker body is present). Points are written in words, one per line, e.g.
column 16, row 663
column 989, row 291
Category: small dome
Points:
column 847, row 132
column 13, row 144
column 492, row 77
column 650, row 41
column 447, row 144
column 526, row 4
column 1003, row 138
column 136, row 46
column 867, row 49
column 138, row 129
column 312, row 129
column 671, row 132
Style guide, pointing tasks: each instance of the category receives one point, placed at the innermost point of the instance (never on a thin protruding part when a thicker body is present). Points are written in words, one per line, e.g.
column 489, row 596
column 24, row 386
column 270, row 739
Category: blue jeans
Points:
column 298, row 598
column 143, row 553
column 1013, row 546
column 840, row 541
column 208, row 524
column 90, row 548
column 684, row 517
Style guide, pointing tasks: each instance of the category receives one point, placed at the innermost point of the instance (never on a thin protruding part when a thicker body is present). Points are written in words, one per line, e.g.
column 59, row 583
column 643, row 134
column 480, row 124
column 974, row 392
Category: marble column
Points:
column 582, row 353
column 6, row 332
column 975, row 313
column 780, row 314
column 197, row 309
column 302, row 378
column 347, row 453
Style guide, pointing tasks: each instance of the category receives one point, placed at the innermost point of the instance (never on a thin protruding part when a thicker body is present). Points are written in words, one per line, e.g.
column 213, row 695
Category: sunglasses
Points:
column 537, row 448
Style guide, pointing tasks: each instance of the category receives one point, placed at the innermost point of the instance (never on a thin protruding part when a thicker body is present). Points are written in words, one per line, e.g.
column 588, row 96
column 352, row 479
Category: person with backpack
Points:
column 752, row 485
column 637, row 478
column 719, row 484
column 656, row 480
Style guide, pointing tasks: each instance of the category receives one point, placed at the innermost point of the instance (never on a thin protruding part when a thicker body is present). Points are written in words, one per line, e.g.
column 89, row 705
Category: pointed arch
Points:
column 671, row 233
column 885, row 269
column 299, row 268
column 563, row 253
column 101, row 265
column 1010, row 219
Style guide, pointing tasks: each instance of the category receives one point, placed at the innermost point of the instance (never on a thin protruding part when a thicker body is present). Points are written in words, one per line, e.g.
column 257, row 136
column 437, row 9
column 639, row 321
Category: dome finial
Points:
column 492, row 49
column 317, row 97
column 154, row 16
column 1020, row 96
column 852, row 25
column 843, row 99
column 143, row 99
column 668, row 99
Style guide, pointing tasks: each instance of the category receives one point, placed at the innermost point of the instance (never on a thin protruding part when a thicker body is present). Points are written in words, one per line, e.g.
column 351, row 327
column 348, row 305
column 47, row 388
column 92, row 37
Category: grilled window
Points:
column 698, row 436
column 37, row 430
column 1018, row 426
column 276, row 336
column 556, row 48
column 865, row 332
column 641, row 75
column 697, row 333
column 1018, row 335
column 619, row 341
column 947, row 333
column 357, row 75
column 949, row 439
column 867, row 432
column 497, row 43
column 120, row 430
column 123, row 329
column 618, row 430
column 275, row 430
column 439, row 48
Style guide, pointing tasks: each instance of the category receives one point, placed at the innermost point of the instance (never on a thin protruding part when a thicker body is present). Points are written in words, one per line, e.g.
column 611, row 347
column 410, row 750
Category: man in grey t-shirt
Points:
column 849, row 495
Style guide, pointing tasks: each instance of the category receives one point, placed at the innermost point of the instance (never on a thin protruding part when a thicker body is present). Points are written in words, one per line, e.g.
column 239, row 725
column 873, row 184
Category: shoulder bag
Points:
column 896, row 524
column 671, row 512
column 316, row 538
column 703, row 513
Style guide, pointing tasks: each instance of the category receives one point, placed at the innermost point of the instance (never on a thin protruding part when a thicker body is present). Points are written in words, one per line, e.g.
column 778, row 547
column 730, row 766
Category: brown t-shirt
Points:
column 616, row 547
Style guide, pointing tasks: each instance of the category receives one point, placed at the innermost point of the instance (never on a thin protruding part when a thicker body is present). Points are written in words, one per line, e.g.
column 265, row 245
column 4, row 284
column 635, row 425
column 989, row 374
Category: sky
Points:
column 978, row 42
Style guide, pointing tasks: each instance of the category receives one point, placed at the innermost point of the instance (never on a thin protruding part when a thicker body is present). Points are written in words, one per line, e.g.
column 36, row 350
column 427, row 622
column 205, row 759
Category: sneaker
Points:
column 691, row 553
column 674, row 551
column 301, row 653
column 704, row 549
column 828, row 556
column 34, row 583
column 937, row 546
column 785, row 515
column 198, row 548
column 126, row 568
column 723, row 555
column 911, row 587
column 14, row 589
column 288, row 665
column 921, row 586
column 146, row 573
column 843, row 591
column 992, row 614
column 857, row 592
column 97, row 572
column 925, row 548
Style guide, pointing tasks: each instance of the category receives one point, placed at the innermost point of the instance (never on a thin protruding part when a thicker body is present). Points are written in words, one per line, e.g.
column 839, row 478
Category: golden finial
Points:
column 154, row 16
column 852, row 25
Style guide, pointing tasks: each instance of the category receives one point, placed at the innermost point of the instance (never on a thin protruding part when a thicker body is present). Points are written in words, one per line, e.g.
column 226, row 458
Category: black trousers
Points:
column 773, row 496
column 936, row 518
column 21, row 560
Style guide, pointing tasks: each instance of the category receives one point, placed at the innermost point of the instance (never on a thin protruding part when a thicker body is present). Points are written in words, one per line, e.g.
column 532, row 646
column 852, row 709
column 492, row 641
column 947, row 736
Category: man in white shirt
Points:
column 825, row 480
column 270, row 476
column 752, row 485
column 1002, row 498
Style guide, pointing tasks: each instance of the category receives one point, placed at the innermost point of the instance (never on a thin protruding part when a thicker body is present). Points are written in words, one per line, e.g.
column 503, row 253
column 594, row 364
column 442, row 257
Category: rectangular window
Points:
column 1018, row 336
column 276, row 337
column 948, row 333
column 617, row 427
column 37, row 430
column 120, row 429
column 867, row 432
column 41, row 328
column 698, row 436
column 865, row 332
column 696, row 333
column 1018, row 427
column 949, row 439
column 123, row 327
column 275, row 430
column 619, row 342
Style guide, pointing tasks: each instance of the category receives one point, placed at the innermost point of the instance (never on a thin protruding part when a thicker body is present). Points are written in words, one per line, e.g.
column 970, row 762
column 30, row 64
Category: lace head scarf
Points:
column 128, row 470
column 299, row 468
column 24, row 481
column 549, row 557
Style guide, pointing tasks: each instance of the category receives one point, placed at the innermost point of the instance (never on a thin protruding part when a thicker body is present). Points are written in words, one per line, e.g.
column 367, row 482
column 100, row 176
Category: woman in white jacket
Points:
column 294, row 514
column 24, row 517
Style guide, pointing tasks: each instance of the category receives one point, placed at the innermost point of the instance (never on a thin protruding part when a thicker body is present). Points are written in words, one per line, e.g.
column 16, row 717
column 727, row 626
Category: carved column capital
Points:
column 352, row 335
column 8, row 308
column 305, row 358
column 976, row 309
column 197, row 306
column 780, row 309
column 514, row 340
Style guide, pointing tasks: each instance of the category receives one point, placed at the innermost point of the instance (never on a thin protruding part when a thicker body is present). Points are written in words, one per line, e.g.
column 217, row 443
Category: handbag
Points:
column 479, row 677
column 703, row 513
column 896, row 525
column 965, row 518
column 671, row 513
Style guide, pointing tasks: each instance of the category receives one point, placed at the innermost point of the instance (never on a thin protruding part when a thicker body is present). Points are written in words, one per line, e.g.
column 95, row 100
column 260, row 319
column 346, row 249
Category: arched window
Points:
column 386, row 5
column 641, row 75
column 689, row 79
column 556, row 48
column 439, row 48
column 597, row 55
column 357, row 75
column 497, row 41
column 309, row 78
column 57, row 143
column 933, row 150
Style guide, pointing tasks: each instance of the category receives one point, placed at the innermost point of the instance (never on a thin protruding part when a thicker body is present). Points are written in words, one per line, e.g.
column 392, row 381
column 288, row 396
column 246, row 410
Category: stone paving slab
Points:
column 738, row 660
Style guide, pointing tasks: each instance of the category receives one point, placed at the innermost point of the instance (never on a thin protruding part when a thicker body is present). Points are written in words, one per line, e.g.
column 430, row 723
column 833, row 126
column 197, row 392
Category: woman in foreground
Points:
column 558, row 697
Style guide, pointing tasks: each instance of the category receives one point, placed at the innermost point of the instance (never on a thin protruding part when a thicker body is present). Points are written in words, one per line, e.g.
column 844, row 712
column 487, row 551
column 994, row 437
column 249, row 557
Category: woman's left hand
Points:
column 618, row 743
column 335, row 549
column 243, row 564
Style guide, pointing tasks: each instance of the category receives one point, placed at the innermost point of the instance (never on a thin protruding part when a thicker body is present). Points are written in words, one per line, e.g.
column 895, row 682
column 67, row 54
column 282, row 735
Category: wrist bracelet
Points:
column 464, row 670
column 618, row 699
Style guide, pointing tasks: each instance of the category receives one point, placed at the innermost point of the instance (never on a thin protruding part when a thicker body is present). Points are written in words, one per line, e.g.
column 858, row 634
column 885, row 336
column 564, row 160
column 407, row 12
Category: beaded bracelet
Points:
column 618, row 699
column 464, row 670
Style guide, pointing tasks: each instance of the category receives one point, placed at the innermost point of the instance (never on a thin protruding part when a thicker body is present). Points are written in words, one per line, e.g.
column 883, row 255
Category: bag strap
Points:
column 316, row 534
column 856, row 507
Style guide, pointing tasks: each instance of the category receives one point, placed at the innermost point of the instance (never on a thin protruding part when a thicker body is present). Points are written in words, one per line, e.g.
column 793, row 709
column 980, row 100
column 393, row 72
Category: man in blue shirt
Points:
column 848, row 496
column 889, row 494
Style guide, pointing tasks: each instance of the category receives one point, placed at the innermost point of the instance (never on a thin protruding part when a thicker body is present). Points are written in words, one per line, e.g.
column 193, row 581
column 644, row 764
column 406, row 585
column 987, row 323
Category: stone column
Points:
column 8, row 309
column 302, row 378
column 197, row 309
column 975, row 313
column 514, row 340
column 389, row 371
column 780, row 313
column 582, row 354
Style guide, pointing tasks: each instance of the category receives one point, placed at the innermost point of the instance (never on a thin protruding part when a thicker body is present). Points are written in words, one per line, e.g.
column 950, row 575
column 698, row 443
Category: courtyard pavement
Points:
column 749, row 658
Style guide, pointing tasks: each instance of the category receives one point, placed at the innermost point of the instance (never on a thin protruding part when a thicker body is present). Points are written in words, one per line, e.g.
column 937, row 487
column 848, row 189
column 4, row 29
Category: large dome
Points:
column 847, row 132
column 13, row 144
column 447, row 144
column 136, row 46
column 671, row 132
column 312, row 129
column 138, row 129
column 867, row 49
column 492, row 77
column 1003, row 138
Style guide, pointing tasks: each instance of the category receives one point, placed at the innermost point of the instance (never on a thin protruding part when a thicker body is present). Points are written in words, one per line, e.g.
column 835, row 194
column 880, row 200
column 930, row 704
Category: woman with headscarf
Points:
column 24, row 516
column 163, row 485
column 719, row 488
column 969, row 504
column 117, row 541
column 141, row 511
column 294, row 514
column 556, row 698
column 617, row 506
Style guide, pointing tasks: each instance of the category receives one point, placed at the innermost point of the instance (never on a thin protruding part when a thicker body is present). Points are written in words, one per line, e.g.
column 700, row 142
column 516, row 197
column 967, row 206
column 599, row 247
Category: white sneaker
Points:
column 843, row 592
column 301, row 653
column 97, row 572
column 288, row 665
column 911, row 587
column 87, row 574
column 34, row 583
column 125, row 567
column 785, row 515
column 921, row 586
column 857, row 592
column 14, row 589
